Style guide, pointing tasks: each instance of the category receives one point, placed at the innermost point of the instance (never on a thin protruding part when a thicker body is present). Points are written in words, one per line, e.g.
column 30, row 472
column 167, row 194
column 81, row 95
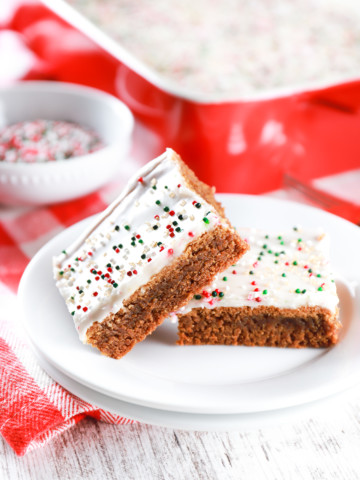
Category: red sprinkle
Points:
column 162, row 248
column 195, row 201
column 179, row 185
column 95, row 294
column 205, row 294
column 129, row 274
column 78, row 307
column 234, row 272
column 107, row 275
column 85, row 309
column 157, row 217
column 190, row 234
column 258, row 299
column 110, row 269
column 172, row 235
column 168, row 226
column 138, row 236
column 256, row 289
column 117, row 250
column 90, row 253
column 140, row 179
column 172, row 213
column 135, row 272
column 77, row 288
column 170, row 251
column 110, row 281
column 149, row 260
column 299, row 249
column 99, row 272
column 255, row 264
column 253, row 283
column 287, row 264
column 97, row 278
column 305, row 266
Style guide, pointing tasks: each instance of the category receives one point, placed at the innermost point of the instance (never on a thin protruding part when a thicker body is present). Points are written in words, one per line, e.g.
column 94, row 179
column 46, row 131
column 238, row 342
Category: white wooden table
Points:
column 311, row 448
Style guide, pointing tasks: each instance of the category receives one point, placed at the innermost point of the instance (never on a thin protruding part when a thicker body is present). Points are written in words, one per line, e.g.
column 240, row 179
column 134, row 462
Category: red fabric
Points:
column 34, row 409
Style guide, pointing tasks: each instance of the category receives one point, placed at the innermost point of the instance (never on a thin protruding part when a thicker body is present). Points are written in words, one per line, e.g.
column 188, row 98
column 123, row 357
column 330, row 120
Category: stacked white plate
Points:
column 202, row 387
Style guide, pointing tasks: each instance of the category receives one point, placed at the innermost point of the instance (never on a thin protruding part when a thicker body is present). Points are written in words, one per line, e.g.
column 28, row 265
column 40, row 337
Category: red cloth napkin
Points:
column 34, row 408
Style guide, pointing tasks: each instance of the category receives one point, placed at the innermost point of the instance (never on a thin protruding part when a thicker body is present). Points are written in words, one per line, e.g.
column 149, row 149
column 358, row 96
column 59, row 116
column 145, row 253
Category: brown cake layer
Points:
column 167, row 291
column 261, row 326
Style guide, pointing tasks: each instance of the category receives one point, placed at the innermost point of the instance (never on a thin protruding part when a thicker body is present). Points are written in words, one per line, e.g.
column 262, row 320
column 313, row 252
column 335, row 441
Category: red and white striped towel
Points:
column 34, row 408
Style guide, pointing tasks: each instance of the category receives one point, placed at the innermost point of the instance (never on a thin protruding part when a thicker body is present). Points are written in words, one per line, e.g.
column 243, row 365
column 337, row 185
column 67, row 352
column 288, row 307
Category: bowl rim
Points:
column 120, row 109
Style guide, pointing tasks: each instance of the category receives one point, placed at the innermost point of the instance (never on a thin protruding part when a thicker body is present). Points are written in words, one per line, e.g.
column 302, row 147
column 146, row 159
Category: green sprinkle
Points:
column 76, row 259
column 333, row 281
column 103, row 276
column 72, row 298
column 221, row 294
column 177, row 229
column 180, row 217
column 72, row 269
column 115, row 285
column 175, row 223
column 320, row 289
column 299, row 240
column 206, row 220
column 117, row 267
column 64, row 252
column 295, row 229
column 127, row 227
column 310, row 270
column 108, row 265
column 81, row 291
column 276, row 261
column 155, row 227
column 198, row 205
column 143, row 256
column 251, row 272
column 318, row 275
column 281, row 243
column 295, row 262
column 133, row 244
column 117, row 228
column 225, row 279
column 114, row 247
column 166, row 187
column 259, row 258
column 166, row 209
column 120, row 245
column 304, row 291
column 141, row 241
column 197, row 297
column 269, row 251
column 154, row 187
column 214, row 294
column 159, row 243
column 261, row 253
column 264, row 246
column 298, row 290
column 279, row 237
column 265, row 292
column 277, row 254
column 283, row 274
column 72, row 313
column 266, row 236
column 133, row 239
column 157, row 202
column 61, row 272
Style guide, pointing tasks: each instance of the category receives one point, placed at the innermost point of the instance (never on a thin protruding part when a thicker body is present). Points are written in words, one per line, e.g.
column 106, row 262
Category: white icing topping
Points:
column 146, row 228
column 286, row 270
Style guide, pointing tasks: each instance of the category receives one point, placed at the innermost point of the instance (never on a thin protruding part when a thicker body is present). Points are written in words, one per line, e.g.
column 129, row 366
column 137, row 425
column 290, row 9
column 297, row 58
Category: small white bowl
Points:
column 51, row 182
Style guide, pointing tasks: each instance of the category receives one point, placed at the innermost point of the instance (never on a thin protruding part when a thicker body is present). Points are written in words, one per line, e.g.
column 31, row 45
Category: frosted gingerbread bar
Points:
column 149, row 252
column 281, row 293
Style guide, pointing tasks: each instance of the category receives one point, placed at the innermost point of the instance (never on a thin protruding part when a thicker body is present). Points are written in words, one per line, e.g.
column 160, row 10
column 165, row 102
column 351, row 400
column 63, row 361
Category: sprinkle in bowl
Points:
column 44, row 182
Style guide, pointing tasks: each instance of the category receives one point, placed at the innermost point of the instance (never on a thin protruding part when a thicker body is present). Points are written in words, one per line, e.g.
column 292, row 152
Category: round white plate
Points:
column 206, row 379
column 321, row 410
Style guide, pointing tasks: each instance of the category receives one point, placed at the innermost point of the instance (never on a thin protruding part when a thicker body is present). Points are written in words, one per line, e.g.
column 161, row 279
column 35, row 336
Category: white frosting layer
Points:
column 146, row 228
column 286, row 270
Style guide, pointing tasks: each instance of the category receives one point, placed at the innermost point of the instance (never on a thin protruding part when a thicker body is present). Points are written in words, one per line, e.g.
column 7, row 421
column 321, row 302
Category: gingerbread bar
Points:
column 281, row 293
column 149, row 252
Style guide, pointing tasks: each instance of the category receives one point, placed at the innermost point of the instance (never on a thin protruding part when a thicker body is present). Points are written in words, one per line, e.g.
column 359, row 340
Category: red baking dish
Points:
column 244, row 144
